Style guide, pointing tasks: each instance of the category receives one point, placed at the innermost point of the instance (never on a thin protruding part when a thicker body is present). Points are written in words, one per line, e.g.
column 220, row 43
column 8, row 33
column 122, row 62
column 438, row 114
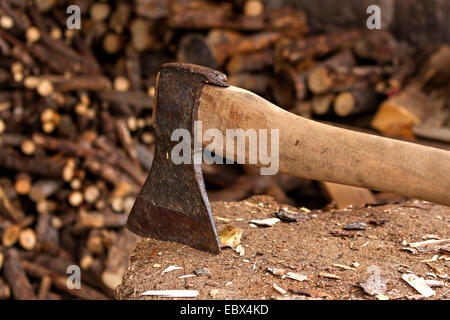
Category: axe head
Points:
column 173, row 204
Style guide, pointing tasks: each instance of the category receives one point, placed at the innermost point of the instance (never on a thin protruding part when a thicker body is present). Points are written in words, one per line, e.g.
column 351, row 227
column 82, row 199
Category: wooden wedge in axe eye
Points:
column 173, row 204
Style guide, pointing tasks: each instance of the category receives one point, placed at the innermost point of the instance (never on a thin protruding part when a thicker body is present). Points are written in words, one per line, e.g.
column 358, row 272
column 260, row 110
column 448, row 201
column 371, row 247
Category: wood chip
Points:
column 376, row 283
column 341, row 266
column 240, row 250
column 276, row 271
column 329, row 276
column 230, row 237
column 291, row 216
column 310, row 293
column 266, row 222
column 342, row 234
column 171, row 268
column 419, row 284
column 171, row 293
column 279, row 289
column 202, row 271
column 296, row 276
column 434, row 283
column 428, row 243
column 356, row 226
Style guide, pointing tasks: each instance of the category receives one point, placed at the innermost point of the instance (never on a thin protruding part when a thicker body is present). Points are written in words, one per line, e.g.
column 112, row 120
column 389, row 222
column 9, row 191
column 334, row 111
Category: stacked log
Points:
column 76, row 106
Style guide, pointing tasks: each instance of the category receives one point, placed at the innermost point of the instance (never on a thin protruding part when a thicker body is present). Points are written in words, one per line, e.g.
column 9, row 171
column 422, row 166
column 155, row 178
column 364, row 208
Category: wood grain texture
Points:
column 309, row 149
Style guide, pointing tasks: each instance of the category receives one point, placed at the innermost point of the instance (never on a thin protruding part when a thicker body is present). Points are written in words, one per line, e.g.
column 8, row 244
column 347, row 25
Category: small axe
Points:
column 173, row 205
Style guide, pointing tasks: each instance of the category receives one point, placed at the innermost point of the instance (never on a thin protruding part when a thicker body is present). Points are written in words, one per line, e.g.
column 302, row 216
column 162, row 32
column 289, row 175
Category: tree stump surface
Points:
column 316, row 248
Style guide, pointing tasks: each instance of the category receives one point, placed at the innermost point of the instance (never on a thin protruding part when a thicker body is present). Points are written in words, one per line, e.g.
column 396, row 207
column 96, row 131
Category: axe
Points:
column 173, row 205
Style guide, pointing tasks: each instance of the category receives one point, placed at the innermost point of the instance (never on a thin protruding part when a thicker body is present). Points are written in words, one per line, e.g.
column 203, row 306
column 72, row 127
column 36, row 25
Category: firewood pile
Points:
column 76, row 136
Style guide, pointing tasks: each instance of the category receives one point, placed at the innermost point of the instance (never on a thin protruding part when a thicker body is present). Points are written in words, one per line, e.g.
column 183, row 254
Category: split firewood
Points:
column 345, row 196
column 416, row 104
column 397, row 115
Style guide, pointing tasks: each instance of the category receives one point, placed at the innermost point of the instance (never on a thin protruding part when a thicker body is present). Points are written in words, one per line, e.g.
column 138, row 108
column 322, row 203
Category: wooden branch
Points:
column 218, row 46
column 255, row 61
column 60, row 282
column 117, row 261
column 8, row 210
column 14, row 274
column 10, row 159
column 188, row 14
column 98, row 220
column 316, row 46
column 255, row 82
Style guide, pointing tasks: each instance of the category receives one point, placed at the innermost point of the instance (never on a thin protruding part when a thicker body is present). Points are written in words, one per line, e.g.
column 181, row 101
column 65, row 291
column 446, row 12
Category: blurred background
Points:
column 76, row 135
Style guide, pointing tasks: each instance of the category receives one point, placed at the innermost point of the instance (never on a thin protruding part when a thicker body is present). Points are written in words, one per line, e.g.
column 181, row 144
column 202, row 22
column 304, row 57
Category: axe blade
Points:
column 173, row 204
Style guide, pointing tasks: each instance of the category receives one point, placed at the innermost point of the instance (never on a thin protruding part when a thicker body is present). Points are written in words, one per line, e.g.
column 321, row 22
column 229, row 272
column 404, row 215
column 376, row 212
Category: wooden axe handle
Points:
column 312, row 150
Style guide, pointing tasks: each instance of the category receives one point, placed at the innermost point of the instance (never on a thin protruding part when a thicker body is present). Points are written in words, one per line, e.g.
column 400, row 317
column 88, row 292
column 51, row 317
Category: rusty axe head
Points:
column 173, row 204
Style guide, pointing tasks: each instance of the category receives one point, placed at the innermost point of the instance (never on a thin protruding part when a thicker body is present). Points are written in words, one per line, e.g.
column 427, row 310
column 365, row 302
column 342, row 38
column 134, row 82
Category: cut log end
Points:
column 344, row 104
column 319, row 81
column 321, row 104
column 27, row 239
column 10, row 235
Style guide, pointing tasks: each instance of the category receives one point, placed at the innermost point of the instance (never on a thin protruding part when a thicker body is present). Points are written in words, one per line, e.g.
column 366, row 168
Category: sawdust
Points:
column 306, row 247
